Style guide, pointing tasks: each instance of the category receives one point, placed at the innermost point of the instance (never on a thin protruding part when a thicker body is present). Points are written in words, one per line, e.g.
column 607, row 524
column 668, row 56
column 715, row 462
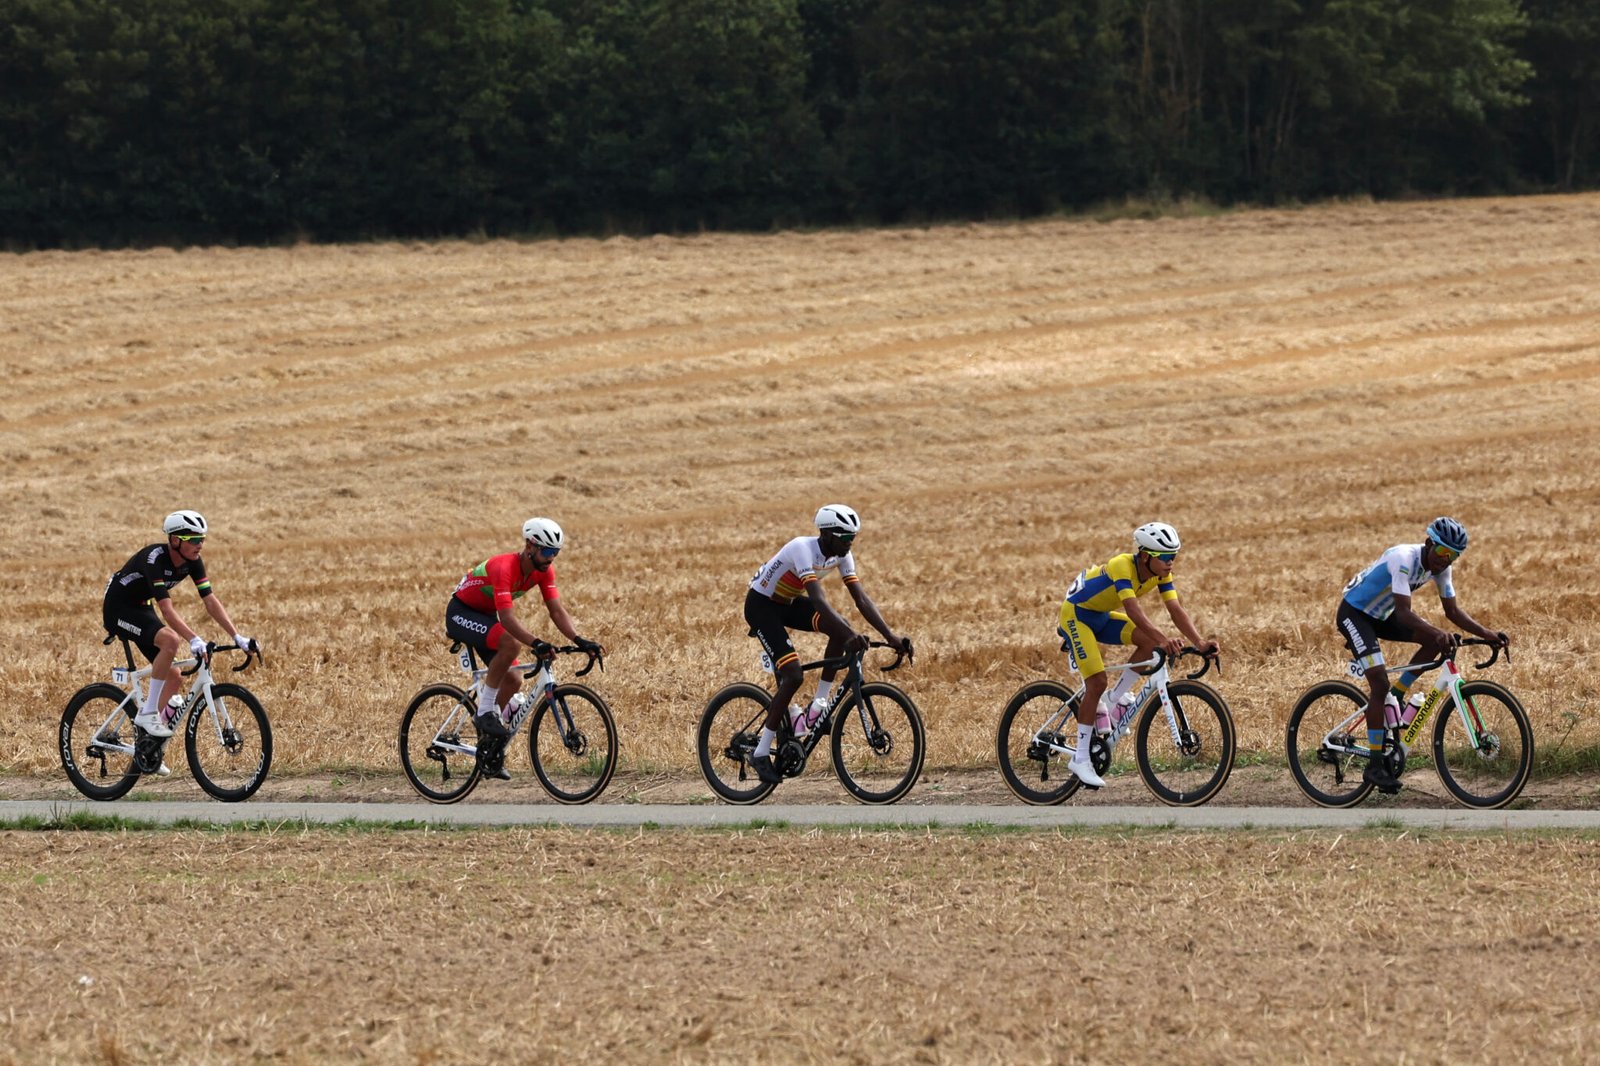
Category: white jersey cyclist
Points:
column 784, row 577
column 1398, row 571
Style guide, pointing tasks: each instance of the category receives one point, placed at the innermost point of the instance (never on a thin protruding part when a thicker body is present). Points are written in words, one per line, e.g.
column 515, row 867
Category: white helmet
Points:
column 184, row 524
column 542, row 532
column 1156, row 537
column 837, row 518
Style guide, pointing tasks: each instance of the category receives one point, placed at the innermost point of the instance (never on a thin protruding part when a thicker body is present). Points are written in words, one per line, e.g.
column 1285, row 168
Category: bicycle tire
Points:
column 576, row 768
column 95, row 704
column 229, row 767
column 1192, row 774
column 1022, row 762
column 1472, row 778
column 1329, row 779
column 427, row 766
column 873, row 767
column 731, row 724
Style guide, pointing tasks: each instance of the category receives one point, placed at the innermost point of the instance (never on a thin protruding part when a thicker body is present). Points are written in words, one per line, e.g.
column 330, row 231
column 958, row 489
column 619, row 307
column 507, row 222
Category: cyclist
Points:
column 1377, row 605
column 482, row 615
column 786, row 594
column 1102, row 607
column 148, row 578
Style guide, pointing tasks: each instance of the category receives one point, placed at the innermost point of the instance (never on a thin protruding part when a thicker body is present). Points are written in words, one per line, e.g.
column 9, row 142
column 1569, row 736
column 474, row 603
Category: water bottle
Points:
column 174, row 708
column 1391, row 712
column 1412, row 706
column 797, row 720
column 514, row 706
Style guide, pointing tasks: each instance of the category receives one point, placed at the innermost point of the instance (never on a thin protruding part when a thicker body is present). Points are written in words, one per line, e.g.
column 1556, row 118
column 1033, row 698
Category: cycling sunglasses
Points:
column 1450, row 554
column 1166, row 557
column 191, row 539
column 547, row 553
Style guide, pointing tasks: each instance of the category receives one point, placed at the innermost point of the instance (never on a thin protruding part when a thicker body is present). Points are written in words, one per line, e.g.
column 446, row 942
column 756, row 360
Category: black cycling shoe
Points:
column 1377, row 775
column 765, row 770
column 496, row 770
column 490, row 724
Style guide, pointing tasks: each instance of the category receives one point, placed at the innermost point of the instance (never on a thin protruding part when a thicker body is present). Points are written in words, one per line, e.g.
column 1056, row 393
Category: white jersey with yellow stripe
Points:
column 785, row 575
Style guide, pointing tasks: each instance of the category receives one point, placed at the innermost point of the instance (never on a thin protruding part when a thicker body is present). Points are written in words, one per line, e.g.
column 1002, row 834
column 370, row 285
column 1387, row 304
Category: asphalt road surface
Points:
column 631, row 815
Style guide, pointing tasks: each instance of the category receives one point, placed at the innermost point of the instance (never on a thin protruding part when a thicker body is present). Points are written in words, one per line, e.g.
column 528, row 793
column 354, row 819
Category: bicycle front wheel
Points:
column 573, row 744
column 1187, row 769
column 93, row 726
column 229, row 744
column 1491, row 774
column 1037, row 718
column 730, row 728
column 878, row 743
column 439, row 744
column 1327, row 725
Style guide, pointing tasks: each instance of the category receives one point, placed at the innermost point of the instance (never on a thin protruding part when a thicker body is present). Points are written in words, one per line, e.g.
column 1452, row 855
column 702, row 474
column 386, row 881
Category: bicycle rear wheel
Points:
column 229, row 744
column 1032, row 768
column 1192, row 770
column 730, row 728
column 438, row 744
column 1323, row 765
column 878, row 754
column 93, row 719
column 1491, row 775
column 573, row 744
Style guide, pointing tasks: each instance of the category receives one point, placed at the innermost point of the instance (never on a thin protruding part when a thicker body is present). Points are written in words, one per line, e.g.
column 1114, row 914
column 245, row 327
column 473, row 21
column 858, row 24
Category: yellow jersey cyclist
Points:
column 481, row 614
column 1102, row 607
column 138, row 607
column 1377, row 605
column 787, row 594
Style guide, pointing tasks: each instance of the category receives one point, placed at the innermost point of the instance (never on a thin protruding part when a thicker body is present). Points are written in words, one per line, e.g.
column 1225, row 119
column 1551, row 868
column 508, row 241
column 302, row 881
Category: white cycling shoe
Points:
column 1083, row 770
column 154, row 723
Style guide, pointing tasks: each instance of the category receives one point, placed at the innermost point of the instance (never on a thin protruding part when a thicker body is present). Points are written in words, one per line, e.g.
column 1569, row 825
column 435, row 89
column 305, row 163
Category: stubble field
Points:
column 1295, row 391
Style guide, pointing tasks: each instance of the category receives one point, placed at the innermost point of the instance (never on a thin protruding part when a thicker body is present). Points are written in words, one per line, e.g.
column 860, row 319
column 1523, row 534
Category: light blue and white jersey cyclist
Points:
column 1398, row 571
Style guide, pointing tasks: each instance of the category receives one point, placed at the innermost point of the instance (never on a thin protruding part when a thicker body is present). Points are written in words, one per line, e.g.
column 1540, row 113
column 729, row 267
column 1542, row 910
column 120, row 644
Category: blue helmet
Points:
column 1448, row 533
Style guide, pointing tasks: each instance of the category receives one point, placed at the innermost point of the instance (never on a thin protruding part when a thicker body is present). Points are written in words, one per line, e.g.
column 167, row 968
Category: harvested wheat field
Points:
column 1294, row 390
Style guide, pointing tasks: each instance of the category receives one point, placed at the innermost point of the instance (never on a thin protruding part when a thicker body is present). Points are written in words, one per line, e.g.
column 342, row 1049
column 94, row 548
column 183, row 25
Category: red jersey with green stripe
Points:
column 150, row 575
column 495, row 582
column 785, row 575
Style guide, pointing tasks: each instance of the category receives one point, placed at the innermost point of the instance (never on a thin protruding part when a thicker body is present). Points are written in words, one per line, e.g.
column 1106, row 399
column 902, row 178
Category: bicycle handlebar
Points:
column 212, row 649
column 595, row 658
column 837, row 662
column 1450, row 654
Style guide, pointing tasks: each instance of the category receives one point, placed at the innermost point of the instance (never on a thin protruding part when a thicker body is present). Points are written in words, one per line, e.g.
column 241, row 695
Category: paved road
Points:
column 699, row 816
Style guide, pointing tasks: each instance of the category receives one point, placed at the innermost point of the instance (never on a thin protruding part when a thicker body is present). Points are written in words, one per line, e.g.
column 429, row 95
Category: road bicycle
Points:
column 1483, row 752
column 875, row 735
column 572, row 740
column 226, row 735
column 1183, row 764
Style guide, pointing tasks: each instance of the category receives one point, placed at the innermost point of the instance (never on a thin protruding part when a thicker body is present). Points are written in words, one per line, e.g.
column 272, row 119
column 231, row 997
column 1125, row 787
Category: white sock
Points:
column 824, row 690
column 152, row 699
column 764, row 745
column 1085, row 734
column 486, row 700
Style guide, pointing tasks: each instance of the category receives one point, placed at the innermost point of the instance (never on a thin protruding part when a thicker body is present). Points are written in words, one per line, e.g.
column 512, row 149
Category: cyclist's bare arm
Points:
column 1407, row 617
column 1153, row 636
column 521, row 633
column 829, row 621
column 1185, row 624
column 869, row 611
column 175, row 622
column 219, row 614
column 1459, row 616
column 563, row 621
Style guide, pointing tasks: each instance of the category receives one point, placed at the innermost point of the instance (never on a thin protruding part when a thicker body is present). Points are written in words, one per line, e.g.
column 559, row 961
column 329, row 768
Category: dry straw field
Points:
column 1294, row 391
column 1003, row 403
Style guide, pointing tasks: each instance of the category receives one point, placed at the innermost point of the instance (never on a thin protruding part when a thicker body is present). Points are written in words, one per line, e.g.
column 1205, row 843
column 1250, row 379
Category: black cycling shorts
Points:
column 770, row 622
column 136, row 623
column 1361, row 633
column 477, row 629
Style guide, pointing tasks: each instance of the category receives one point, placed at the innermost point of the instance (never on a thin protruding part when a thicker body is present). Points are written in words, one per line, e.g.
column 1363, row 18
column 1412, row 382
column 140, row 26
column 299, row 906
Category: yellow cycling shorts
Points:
column 1082, row 633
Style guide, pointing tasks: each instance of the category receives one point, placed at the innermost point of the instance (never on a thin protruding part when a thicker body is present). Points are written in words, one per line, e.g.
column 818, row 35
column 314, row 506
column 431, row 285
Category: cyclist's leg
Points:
column 1360, row 632
column 144, row 629
column 1143, row 648
column 770, row 623
column 498, row 649
column 1077, row 629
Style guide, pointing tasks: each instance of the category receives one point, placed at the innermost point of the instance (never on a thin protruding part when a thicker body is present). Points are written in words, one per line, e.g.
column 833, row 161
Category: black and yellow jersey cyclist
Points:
column 1102, row 607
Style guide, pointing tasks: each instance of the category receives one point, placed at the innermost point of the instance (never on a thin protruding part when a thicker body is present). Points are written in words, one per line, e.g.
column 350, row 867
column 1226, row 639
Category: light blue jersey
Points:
column 1398, row 571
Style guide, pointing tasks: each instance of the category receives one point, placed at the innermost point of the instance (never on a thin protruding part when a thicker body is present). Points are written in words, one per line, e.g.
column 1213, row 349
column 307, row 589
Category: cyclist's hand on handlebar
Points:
column 589, row 647
column 858, row 642
column 1502, row 639
column 246, row 645
column 903, row 646
column 541, row 649
column 1172, row 646
column 197, row 647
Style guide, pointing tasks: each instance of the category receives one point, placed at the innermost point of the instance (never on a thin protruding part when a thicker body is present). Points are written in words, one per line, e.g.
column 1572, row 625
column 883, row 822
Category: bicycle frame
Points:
column 1122, row 715
column 1403, row 734
column 851, row 663
column 135, row 684
column 447, row 738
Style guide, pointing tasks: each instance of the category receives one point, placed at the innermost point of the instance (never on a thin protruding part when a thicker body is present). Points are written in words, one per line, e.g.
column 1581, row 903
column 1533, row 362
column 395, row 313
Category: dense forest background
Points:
column 134, row 121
